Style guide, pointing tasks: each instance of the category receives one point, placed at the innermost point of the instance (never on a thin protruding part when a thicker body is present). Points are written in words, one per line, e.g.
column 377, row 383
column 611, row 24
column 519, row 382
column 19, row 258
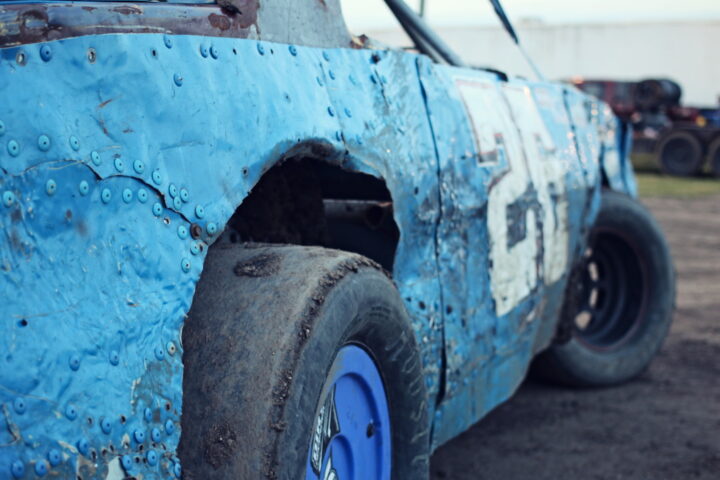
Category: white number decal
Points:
column 527, row 205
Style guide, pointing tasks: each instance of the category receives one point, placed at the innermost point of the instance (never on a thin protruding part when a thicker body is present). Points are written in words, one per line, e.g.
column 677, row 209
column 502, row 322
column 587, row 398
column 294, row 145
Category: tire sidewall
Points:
column 630, row 221
column 364, row 309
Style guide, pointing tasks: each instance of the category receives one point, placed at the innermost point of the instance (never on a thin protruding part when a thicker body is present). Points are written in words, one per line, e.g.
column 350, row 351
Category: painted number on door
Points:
column 527, row 203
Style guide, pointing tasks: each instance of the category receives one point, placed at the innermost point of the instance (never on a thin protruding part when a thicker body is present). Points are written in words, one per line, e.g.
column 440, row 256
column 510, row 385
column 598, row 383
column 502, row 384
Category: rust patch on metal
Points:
column 26, row 24
column 128, row 10
column 221, row 22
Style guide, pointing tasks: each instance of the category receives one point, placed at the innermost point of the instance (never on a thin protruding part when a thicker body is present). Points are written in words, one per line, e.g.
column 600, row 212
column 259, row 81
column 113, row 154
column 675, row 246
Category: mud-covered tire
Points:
column 626, row 320
column 681, row 154
column 264, row 329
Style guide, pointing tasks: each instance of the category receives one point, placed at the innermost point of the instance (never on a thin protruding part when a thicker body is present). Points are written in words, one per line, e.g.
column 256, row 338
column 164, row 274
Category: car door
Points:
column 511, row 185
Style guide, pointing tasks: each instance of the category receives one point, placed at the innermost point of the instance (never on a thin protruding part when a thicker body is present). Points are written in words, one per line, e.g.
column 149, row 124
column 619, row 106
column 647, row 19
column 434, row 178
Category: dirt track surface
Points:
column 663, row 426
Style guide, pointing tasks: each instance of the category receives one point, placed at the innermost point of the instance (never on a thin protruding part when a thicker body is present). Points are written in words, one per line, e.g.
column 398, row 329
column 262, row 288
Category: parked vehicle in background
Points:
column 238, row 239
column 685, row 140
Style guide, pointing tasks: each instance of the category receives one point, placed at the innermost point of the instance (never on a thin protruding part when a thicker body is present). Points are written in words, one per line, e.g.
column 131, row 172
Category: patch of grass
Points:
column 653, row 185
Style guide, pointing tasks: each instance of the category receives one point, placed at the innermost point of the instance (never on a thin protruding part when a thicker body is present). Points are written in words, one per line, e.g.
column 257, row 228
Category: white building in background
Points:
column 684, row 51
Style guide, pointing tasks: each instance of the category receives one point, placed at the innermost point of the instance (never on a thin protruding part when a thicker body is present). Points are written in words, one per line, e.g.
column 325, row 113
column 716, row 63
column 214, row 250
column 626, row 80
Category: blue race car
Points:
column 234, row 237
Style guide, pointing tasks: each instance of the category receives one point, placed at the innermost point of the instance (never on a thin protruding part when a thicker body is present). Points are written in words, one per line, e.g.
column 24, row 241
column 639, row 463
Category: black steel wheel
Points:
column 681, row 154
column 614, row 291
column 619, row 303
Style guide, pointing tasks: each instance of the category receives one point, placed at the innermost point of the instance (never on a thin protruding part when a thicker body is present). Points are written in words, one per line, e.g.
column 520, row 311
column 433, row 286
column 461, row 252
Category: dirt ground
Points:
column 663, row 426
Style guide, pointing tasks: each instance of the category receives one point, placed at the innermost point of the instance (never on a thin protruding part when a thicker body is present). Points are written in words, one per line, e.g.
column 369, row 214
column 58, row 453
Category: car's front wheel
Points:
column 300, row 363
column 620, row 302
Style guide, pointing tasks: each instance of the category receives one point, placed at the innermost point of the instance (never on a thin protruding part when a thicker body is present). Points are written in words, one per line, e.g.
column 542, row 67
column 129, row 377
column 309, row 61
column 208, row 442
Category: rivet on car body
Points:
column 348, row 113
column 142, row 195
column 114, row 358
column 83, row 446
column 8, row 199
column 105, row 426
column 184, row 195
column 177, row 203
column 91, row 55
column 326, row 56
column 182, row 232
column 44, row 143
column 151, row 458
column 50, row 187
column 95, row 157
column 139, row 166
column 155, row 435
column 19, row 405
column 214, row 52
column 13, row 148
column 171, row 348
column 74, row 143
column 74, row 363
column 18, row 469
column 2, row 128
column 320, row 81
column 331, row 74
column 195, row 249
column 261, row 49
column 148, row 414
column 157, row 209
column 126, row 462
column 177, row 470
column 139, row 436
column 168, row 41
column 45, row 53
column 157, row 176
column 169, row 427
column 172, row 190
column 70, row 412
column 211, row 228
column 119, row 164
column 127, row 195
column 293, row 50
column 41, row 468
column 105, row 195
column 54, row 457
column 185, row 265
column 339, row 136
column 178, row 79
column 331, row 111
column 199, row 211
column 203, row 51
column 159, row 353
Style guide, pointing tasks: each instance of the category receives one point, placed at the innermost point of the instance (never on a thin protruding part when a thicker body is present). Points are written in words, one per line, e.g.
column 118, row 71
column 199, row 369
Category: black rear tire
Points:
column 263, row 331
column 681, row 154
column 620, row 315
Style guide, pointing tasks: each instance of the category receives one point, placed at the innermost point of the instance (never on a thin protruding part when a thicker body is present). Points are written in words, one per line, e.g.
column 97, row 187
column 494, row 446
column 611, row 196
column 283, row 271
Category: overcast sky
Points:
column 363, row 15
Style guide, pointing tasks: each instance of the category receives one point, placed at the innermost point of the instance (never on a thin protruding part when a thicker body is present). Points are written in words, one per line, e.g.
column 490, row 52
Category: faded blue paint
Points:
column 108, row 167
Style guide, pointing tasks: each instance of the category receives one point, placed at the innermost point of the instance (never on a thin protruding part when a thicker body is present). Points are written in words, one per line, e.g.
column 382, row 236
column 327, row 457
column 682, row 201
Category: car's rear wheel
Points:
column 621, row 300
column 300, row 363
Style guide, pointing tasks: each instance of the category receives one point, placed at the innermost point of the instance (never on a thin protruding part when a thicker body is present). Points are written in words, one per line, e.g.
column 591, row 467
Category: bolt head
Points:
column 46, row 53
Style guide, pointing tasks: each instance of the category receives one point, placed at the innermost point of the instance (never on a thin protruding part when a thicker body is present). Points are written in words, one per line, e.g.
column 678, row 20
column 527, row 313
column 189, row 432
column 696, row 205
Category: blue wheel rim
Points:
column 351, row 438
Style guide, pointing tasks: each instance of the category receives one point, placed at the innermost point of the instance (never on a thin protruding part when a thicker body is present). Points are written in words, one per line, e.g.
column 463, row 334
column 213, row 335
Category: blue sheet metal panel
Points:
column 109, row 168
column 488, row 131
column 395, row 142
column 600, row 134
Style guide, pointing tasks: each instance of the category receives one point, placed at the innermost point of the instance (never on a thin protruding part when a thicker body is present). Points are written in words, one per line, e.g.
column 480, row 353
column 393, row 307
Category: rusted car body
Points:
column 130, row 135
